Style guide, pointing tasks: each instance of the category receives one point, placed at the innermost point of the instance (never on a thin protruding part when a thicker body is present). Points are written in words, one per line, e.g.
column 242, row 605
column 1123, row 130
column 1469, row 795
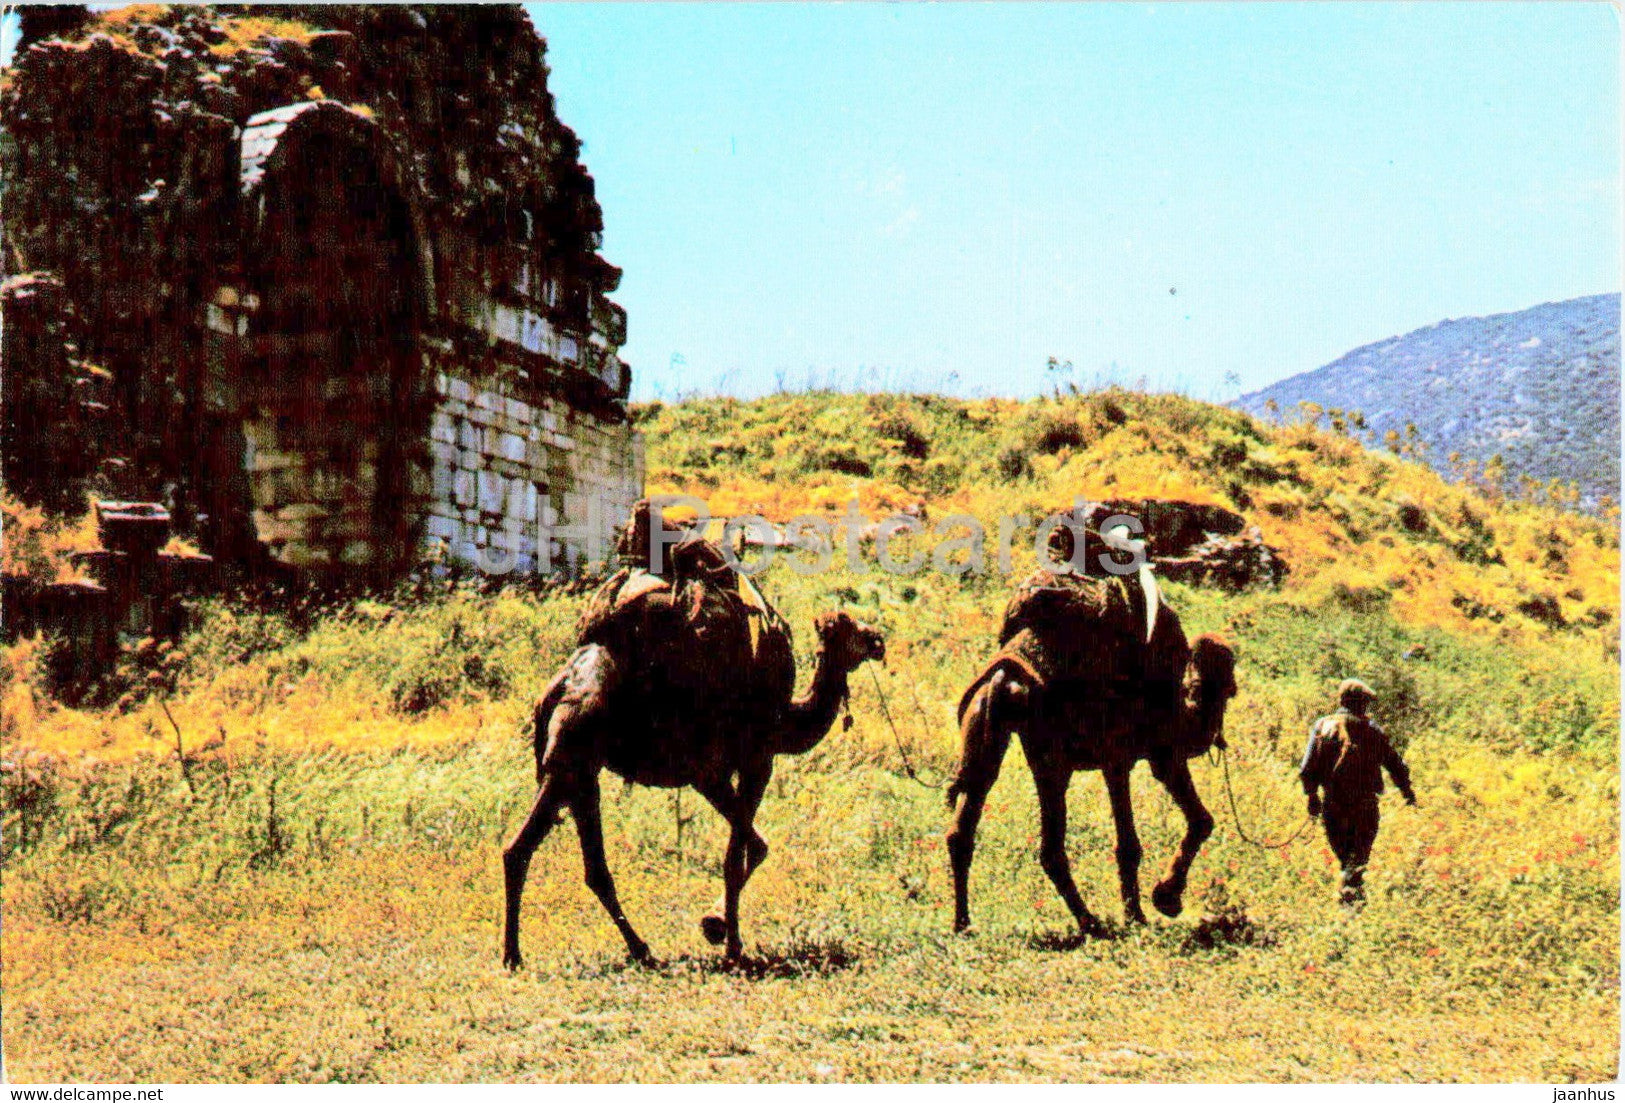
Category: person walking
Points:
column 1342, row 778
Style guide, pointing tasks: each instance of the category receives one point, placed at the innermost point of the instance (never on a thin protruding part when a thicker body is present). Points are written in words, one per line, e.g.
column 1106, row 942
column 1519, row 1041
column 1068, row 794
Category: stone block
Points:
column 218, row 320
column 441, row 527
column 327, row 485
column 463, row 488
column 298, row 553
column 271, row 530
column 469, row 436
column 272, row 460
column 490, row 492
column 263, row 492
column 442, row 482
column 511, row 446
column 302, row 511
column 442, row 428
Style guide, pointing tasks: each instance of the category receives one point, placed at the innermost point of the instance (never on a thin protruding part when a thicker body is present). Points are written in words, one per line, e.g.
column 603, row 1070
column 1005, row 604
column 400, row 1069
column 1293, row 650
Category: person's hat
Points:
column 1352, row 691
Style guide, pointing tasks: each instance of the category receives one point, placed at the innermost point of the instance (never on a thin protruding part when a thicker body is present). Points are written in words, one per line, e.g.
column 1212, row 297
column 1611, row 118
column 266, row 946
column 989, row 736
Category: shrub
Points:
column 1050, row 433
column 904, row 430
column 1012, row 463
column 841, row 458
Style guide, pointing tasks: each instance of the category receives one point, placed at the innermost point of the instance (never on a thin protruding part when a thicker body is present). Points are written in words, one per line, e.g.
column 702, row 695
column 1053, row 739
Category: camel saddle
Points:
column 695, row 584
column 1064, row 628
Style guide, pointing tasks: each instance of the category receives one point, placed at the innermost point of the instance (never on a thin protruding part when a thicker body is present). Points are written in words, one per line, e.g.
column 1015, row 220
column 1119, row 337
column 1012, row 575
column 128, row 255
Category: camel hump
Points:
column 640, row 583
column 1011, row 663
column 1061, row 601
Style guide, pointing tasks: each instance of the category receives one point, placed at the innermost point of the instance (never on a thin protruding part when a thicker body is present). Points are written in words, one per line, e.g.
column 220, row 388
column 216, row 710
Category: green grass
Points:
column 317, row 895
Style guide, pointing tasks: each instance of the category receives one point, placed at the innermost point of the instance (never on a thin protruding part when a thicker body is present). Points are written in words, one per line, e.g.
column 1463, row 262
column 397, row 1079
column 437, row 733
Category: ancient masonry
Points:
column 359, row 330
column 509, row 474
column 505, row 476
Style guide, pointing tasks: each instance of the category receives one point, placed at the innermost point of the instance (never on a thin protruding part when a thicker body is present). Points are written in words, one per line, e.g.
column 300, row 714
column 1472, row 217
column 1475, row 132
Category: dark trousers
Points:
column 1351, row 828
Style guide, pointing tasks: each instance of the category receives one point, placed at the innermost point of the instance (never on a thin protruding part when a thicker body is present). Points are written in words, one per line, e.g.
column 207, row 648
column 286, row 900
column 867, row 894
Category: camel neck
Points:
column 812, row 714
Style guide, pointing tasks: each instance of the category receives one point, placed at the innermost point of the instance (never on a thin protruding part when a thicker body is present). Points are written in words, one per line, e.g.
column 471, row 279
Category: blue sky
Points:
column 942, row 196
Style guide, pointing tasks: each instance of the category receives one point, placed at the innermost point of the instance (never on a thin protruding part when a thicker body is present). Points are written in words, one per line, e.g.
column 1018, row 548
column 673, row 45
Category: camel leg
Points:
column 569, row 722
column 1128, row 841
column 516, row 862
column 584, row 807
column 1051, row 778
column 736, row 865
column 1175, row 775
column 725, row 800
column 985, row 744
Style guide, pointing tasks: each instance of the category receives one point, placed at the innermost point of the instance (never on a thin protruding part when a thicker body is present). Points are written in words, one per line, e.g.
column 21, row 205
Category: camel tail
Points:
column 971, row 742
column 582, row 688
column 536, row 729
column 982, row 743
column 1013, row 667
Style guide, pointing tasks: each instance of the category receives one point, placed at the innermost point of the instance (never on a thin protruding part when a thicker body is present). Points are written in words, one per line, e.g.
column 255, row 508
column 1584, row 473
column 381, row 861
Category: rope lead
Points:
column 908, row 765
column 1230, row 792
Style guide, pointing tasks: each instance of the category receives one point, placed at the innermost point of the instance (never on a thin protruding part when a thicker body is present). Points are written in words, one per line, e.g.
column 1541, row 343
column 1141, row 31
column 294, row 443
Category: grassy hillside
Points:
column 1347, row 519
column 316, row 894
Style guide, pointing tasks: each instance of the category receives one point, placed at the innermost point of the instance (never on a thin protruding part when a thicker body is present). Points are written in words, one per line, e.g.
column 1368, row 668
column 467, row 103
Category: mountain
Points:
column 1539, row 388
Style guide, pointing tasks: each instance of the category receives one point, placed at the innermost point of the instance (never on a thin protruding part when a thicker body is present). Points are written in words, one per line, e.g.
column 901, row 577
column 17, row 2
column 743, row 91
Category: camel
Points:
column 1093, row 674
column 682, row 679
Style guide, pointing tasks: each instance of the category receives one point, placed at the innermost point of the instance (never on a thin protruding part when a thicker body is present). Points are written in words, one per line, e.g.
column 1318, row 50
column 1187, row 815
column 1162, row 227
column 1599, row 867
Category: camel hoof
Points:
column 1091, row 928
column 715, row 929
column 1134, row 916
column 512, row 962
column 964, row 929
column 640, row 955
column 1168, row 900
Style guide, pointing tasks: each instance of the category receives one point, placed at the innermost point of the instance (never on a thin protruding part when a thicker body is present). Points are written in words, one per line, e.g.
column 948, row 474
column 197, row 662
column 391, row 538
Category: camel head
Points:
column 1210, row 682
column 846, row 643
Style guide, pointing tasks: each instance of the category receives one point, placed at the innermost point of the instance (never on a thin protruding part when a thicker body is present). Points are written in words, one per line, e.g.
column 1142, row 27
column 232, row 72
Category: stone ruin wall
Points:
column 504, row 468
column 499, row 470
column 266, row 386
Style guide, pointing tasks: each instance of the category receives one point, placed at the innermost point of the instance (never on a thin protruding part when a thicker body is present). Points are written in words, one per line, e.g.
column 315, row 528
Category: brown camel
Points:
column 1093, row 674
column 680, row 680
